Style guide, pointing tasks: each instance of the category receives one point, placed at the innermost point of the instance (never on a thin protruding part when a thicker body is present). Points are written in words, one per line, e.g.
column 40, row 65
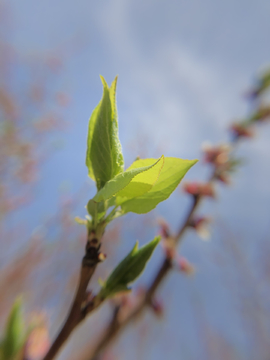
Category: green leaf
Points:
column 128, row 269
column 171, row 174
column 80, row 221
column 14, row 333
column 135, row 181
column 104, row 157
column 92, row 208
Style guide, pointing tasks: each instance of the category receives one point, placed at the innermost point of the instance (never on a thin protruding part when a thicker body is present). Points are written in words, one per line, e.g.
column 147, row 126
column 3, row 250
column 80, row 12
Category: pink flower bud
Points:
column 191, row 188
column 216, row 155
column 164, row 228
column 184, row 265
column 199, row 189
column 201, row 225
column 157, row 307
column 239, row 130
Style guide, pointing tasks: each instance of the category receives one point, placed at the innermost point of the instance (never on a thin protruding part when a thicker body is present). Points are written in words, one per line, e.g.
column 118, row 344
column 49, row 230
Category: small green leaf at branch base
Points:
column 80, row 221
column 14, row 335
column 128, row 269
column 104, row 158
column 92, row 208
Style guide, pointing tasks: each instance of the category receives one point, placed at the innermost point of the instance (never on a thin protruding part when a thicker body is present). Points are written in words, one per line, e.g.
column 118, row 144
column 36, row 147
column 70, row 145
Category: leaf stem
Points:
column 109, row 217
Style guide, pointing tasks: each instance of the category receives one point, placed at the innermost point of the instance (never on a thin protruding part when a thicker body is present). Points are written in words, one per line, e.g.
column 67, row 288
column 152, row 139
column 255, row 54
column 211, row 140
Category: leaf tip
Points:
column 115, row 81
column 80, row 221
column 193, row 162
column 155, row 241
column 18, row 303
column 136, row 247
column 104, row 83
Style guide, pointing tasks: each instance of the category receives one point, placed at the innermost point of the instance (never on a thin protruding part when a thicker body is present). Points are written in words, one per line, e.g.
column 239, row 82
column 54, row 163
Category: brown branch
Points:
column 78, row 311
column 74, row 314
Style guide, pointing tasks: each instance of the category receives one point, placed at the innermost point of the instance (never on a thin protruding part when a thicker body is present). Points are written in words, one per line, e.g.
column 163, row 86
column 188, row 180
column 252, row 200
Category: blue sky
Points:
column 183, row 68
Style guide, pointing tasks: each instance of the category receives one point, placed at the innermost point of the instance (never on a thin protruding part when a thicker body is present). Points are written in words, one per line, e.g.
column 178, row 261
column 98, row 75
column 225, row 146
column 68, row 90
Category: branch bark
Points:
column 78, row 309
column 74, row 314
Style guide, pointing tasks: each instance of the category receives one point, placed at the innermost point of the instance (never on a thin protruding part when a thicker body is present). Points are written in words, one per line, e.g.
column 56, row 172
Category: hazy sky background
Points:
column 183, row 67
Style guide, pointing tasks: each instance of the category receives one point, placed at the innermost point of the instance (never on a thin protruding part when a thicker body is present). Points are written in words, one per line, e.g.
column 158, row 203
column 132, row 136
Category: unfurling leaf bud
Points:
column 104, row 158
column 128, row 269
column 14, row 335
